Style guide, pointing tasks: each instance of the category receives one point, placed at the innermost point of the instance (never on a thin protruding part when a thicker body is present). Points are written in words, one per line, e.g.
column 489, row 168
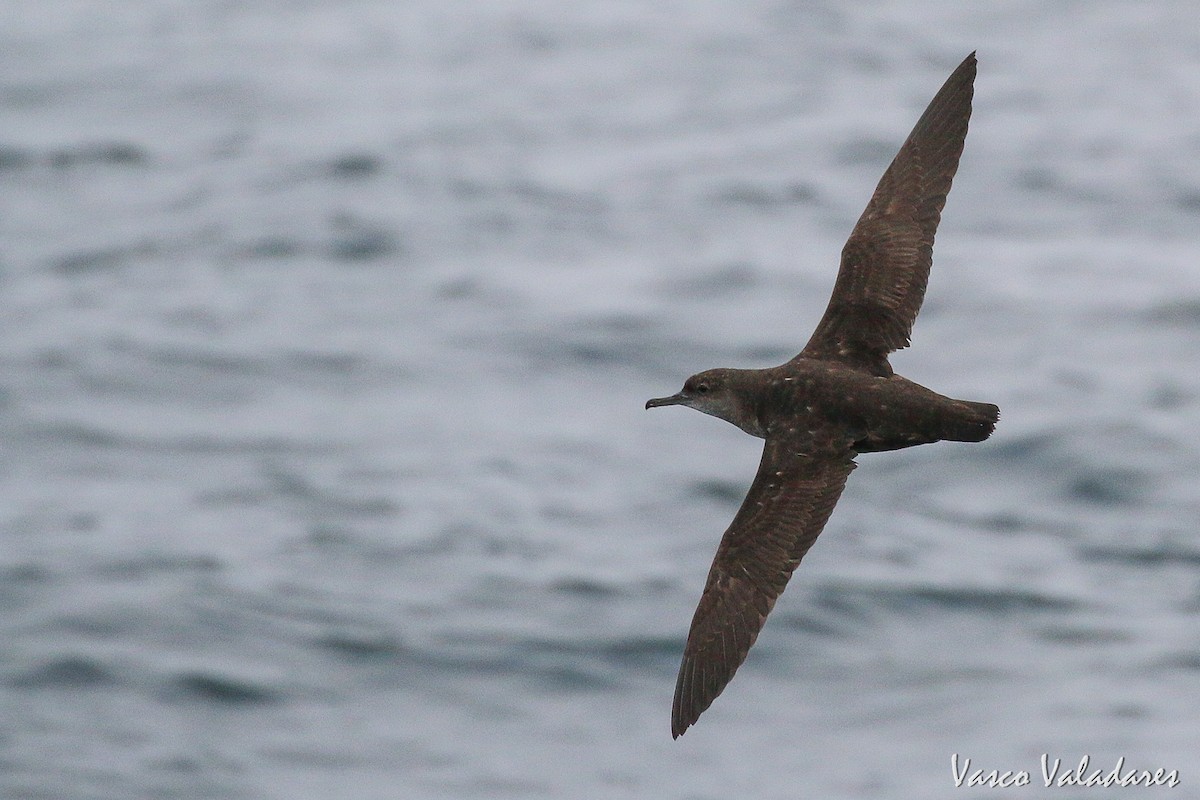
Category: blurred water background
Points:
column 326, row 328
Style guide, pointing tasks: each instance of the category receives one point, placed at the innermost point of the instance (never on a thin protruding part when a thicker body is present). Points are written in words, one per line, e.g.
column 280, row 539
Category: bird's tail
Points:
column 970, row 421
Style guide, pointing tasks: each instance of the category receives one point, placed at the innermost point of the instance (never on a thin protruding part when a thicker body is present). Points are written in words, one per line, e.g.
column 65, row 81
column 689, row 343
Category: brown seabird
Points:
column 837, row 399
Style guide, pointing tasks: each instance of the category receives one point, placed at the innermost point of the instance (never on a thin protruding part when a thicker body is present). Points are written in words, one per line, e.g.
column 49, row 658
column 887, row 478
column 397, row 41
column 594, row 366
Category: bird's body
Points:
column 838, row 398
column 870, row 412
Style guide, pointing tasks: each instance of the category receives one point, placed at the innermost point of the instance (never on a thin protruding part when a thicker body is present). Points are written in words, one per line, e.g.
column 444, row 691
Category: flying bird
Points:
column 836, row 399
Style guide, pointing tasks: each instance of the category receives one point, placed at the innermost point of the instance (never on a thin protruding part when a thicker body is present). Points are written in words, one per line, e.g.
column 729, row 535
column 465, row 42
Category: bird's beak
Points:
column 673, row 400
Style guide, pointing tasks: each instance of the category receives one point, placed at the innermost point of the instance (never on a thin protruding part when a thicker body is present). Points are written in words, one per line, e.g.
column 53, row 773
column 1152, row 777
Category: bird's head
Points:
column 722, row 393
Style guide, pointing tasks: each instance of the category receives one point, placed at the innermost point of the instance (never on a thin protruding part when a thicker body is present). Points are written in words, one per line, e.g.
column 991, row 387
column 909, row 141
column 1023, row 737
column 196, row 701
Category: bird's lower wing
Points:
column 798, row 483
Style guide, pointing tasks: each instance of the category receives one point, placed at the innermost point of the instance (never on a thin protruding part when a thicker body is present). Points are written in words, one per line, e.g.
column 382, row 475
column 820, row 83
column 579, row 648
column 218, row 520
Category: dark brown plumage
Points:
column 836, row 399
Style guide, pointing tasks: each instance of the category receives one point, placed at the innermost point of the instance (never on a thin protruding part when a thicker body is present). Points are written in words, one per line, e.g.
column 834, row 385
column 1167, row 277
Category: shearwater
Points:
column 836, row 399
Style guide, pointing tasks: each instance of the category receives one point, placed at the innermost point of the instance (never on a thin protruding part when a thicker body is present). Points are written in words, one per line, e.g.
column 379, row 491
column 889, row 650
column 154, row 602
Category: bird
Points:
column 835, row 400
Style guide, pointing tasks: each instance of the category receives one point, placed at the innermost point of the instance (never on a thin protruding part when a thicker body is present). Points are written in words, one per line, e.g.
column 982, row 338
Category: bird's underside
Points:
column 836, row 399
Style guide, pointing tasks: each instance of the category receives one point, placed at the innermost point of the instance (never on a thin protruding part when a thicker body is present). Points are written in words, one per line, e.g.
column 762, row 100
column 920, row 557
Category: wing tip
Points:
column 680, row 722
column 681, row 718
column 966, row 71
column 694, row 693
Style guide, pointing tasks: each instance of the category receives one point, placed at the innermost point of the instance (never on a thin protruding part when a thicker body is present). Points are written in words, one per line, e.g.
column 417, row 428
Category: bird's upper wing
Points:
column 798, row 483
column 885, row 263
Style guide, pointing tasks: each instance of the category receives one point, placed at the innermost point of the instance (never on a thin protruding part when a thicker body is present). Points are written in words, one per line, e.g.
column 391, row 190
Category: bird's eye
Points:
column 702, row 388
